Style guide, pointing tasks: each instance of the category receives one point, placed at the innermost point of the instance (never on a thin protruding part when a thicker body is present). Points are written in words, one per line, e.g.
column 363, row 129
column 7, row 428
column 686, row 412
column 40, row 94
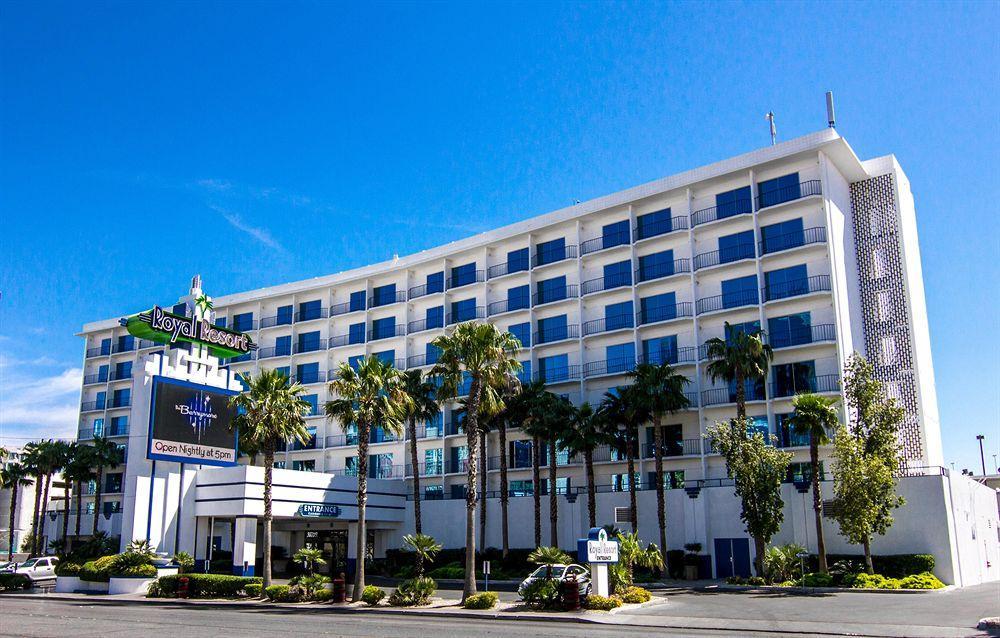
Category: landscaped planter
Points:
column 129, row 585
column 166, row 571
column 90, row 587
column 69, row 585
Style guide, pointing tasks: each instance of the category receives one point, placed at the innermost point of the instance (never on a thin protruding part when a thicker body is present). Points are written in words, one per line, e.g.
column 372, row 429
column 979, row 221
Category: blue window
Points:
column 517, row 260
column 101, row 400
column 123, row 370
column 119, row 426
column 746, row 327
column 309, row 341
column 283, row 346
column 523, row 333
column 790, row 330
column 105, row 346
column 356, row 333
column 383, row 328
column 518, row 297
column 307, row 373
column 309, row 310
column 753, row 388
column 736, row 247
column 551, row 289
column 102, row 372
column 464, row 310
column 786, row 282
column 463, row 275
column 312, row 400
column 620, row 357
column 782, row 236
column 618, row 316
column 358, row 301
column 552, row 329
column 759, row 424
column 780, row 189
column 432, row 353
column 243, row 322
column 657, row 265
column 734, row 202
column 435, row 317
column 618, row 274
column 555, row 368
column 220, row 322
column 520, row 455
column 284, row 316
column 283, row 370
column 741, row 291
column 355, row 361
column 121, row 398
column 126, row 343
column 383, row 295
column 660, row 350
column 180, row 309
column 652, row 224
column 786, row 433
column 387, row 356
column 793, row 378
column 551, row 251
column 435, row 282
column 615, row 234
column 662, row 307
column 524, row 376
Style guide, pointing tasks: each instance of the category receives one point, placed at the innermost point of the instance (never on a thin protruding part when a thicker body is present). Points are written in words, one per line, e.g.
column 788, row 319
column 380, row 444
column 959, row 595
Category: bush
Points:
column 372, row 595
column 756, row 581
column 207, row 585
column 283, row 594
column 184, row 561
column 781, row 562
column 310, row 584
column 817, row 579
column 416, row 591
column 98, row 571
column 451, row 571
column 636, row 595
column 134, row 571
column 736, row 580
column 322, row 595
column 11, row 582
column 925, row 580
column 253, row 590
column 154, row 591
column 871, row 581
column 602, row 603
column 68, row 568
column 542, row 593
column 892, row 565
column 483, row 600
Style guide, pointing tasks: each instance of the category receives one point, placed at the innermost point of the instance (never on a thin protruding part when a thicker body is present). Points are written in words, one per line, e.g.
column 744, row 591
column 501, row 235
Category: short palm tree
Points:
column 13, row 477
column 421, row 407
column 737, row 359
column 79, row 470
column 487, row 357
column 586, row 434
column 425, row 548
column 104, row 455
column 622, row 415
column 632, row 554
column 271, row 411
column 815, row 417
column 374, row 394
column 549, row 556
column 660, row 390
column 309, row 557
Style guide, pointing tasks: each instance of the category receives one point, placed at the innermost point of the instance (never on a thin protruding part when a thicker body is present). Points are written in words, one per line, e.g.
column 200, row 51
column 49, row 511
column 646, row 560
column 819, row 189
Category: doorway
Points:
column 333, row 544
column 732, row 557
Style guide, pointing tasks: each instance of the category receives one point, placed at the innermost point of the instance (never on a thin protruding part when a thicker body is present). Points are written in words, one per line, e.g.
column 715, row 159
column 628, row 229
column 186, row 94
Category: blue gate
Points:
column 732, row 557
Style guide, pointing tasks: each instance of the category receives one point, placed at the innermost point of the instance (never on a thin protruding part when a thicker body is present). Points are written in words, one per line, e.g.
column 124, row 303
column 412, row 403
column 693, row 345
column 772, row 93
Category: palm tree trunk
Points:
column 553, row 497
column 362, row 540
column 504, row 494
column 588, row 460
column 79, row 506
column 630, row 464
column 741, row 395
column 65, row 521
column 482, row 489
column 471, row 429
column 268, row 514
column 45, row 510
column 817, row 501
column 34, row 519
column 10, row 527
column 97, row 498
column 661, row 514
column 416, row 476
column 536, row 490
column 869, row 566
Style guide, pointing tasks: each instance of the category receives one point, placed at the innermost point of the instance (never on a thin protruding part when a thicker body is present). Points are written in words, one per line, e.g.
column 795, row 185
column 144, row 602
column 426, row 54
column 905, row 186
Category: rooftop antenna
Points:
column 831, row 120
column 774, row 132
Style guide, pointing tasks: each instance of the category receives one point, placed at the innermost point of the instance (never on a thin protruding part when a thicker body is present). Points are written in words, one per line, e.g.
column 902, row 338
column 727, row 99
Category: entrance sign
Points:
column 316, row 510
column 190, row 423
column 166, row 327
column 602, row 550
column 597, row 550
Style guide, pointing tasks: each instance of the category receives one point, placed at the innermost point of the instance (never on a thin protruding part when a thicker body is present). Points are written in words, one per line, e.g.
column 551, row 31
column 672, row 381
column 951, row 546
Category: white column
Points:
column 245, row 546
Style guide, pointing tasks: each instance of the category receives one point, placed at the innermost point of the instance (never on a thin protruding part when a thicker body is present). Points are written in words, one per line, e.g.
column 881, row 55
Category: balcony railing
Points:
column 558, row 375
column 91, row 379
column 426, row 469
column 607, row 324
column 609, row 282
column 145, row 344
column 270, row 353
column 645, row 231
column 98, row 352
column 802, row 335
column 343, row 309
column 374, row 471
column 508, row 268
column 612, row 366
column 119, row 376
column 789, row 193
column 721, row 396
column 476, row 277
column 387, row 299
column 507, row 305
column 123, row 347
column 724, row 256
column 558, row 333
column 454, row 425
column 426, row 289
column 736, row 299
column 312, row 315
column 308, row 346
column 456, row 466
column 428, row 431
column 684, row 447
column 420, row 325
column 92, row 406
column 657, row 314
column 722, row 211
column 611, row 240
column 479, row 312
column 569, row 291
column 246, row 325
column 791, row 387
column 120, row 403
column 787, row 241
column 670, row 357
column 513, row 462
column 659, row 271
column 420, row 360
column 552, row 256
column 796, row 287
column 374, row 437
column 398, row 330
column 250, row 356
column 318, row 376
column 277, row 320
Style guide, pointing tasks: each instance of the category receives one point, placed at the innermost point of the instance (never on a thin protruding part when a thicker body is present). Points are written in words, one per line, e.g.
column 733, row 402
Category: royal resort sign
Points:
column 165, row 327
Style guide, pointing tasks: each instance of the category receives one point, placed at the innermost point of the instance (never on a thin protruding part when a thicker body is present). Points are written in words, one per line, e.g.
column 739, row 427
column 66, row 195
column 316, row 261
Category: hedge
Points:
column 372, row 595
column 602, row 603
column 12, row 582
column 206, row 585
column 892, row 565
column 283, row 594
column 134, row 571
column 482, row 600
column 253, row 590
column 68, row 568
column 98, row 571
column 635, row 595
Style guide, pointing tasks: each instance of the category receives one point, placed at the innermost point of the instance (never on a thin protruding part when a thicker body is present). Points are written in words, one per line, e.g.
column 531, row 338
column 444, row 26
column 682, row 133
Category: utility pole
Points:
column 982, row 457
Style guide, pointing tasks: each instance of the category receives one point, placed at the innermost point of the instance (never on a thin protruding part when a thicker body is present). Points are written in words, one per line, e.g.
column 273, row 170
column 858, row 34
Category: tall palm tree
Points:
column 374, row 394
column 557, row 420
column 105, row 455
column 487, row 356
column 739, row 358
column 13, row 477
column 67, row 452
column 521, row 410
column 421, row 407
column 56, row 455
column 660, row 390
column 79, row 470
column 586, row 435
column 622, row 414
column 271, row 411
column 815, row 417
column 38, row 458
column 511, row 396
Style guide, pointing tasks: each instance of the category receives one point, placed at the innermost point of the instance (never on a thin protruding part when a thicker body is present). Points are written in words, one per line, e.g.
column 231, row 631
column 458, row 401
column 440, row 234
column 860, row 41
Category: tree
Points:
column 422, row 406
column 79, row 470
column 271, row 411
column 556, row 419
column 374, row 394
column 39, row 457
column 310, row 557
column 549, row 556
column 487, row 357
column 737, row 359
column 523, row 410
column 13, row 477
column 660, row 391
column 586, row 435
column 632, row 554
column 105, row 455
column 511, row 397
column 757, row 470
column 623, row 414
column 867, row 456
column 815, row 417
column 425, row 548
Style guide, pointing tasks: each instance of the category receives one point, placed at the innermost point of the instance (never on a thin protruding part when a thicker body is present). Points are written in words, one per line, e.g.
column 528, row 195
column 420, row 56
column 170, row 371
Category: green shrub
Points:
column 543, row 593
column 98, row 571
column 756, row 581
column 892, row 565
column 448, row 572
column 406, row 571
column 925, row 580
column 781, row 562
column 207, row 585
column 253, row 590
column 483, row 600
column 736, row 580
column 12, row 582
column 322, row 595
column 372, row 595
column 310, row 584
column 635, row 595
column 154, row 591
column 134, row 571
column 602, row 603
column 283, row 594
column 817, row 579
column 67, row 568
column 416, row 591
column 871, row 581
column 184, row 561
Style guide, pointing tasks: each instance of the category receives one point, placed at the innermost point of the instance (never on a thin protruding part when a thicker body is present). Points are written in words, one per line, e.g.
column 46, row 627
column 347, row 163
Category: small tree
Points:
column 631, row 554
column 549, row 556
column 815, row 417
column 424, row 547
column 310, row 558
column 757, row 470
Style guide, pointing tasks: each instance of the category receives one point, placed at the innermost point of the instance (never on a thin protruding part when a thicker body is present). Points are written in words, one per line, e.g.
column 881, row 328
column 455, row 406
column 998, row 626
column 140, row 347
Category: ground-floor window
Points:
column 620, row 482
column 304, row 466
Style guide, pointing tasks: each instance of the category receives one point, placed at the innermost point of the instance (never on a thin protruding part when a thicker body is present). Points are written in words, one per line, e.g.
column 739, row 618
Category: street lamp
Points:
column 982, row 458
column 802, row 565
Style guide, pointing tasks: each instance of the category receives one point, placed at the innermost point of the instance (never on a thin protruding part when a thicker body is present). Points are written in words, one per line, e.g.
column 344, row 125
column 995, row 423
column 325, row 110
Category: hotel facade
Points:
column 801, row 239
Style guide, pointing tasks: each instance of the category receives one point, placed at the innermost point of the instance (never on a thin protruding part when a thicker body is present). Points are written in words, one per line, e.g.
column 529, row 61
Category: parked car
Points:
column 560, row 573
column 36, row 569
column 8, row 568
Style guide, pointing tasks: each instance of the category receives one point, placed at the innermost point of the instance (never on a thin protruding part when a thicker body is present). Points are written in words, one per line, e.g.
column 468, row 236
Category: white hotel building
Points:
column 802, row 239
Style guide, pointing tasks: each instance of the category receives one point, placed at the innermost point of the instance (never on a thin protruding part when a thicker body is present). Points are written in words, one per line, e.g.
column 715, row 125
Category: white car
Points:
column 560, row 573
column 36, row 569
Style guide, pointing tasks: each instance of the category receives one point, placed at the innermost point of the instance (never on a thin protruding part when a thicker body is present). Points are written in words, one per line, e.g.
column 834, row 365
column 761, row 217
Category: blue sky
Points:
column 262, row 143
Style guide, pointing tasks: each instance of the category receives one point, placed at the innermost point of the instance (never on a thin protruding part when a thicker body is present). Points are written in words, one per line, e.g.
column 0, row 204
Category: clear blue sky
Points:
column 262, row 143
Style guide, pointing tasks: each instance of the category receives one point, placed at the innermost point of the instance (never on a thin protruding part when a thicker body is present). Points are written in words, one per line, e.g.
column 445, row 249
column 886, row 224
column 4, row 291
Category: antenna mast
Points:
column 774, row 132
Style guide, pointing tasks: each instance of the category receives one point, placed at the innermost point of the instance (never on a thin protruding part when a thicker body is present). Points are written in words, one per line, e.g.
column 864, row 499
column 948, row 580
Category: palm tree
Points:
column 521, row 410
column 13, row 477
column 511, row 396
column 105, row 454
column 815, row 417
column 425, row 548
column 739, row 358
column 310, row 557
column 622, row 415
column 374, row 394
column 549, row 556
column 271, row 411
column 39, row 458
column 556, row 420
column 487, row 356
column 661, row 391
column 586, row 435
column 68, row 452
column 79, row 470
column 421, row 407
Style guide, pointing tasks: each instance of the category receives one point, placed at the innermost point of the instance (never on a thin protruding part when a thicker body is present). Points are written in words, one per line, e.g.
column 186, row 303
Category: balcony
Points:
column 306, row 378
column 722, row 396
column 250, row 356
column 558, row 333
column 604, row 242
column 386, row 299
column 608, row 324
column 722, row 211
column 343, row 309
column 606, row 283
column 552, row 256
column 613, row 366
column 558, row 375
column 515, row 462
column 349, row 440
column 796, row 288
column 479, row 312
column 276, row 351
column 374, row 471
column 425, row 289
column 146, row 344
column 802, row 335
column 123, row 347
column 426, row 469
column 789, row 193
column 99, row 351
column 726, row 301
column 245, row 325
column 659, row 271
column 684, row 447
column 456, row 466
column 428, row 432
column 421, row 360
column 788, row 241
column 658, row 314
column 92, row 379
column 562, row 293
column 122, row 402
column 422, row 325
column 308, row 346
column 120, row 376
column 508, row 268
column 791, row 387
column 311, row 444
column 724, row 256
column 399, row 330
column 507, row 305
column 312, row 315
column 92, row 406
column 277, row 320
column 645, row 231
column 454, row 426
column 669, row 357
column 475, row 277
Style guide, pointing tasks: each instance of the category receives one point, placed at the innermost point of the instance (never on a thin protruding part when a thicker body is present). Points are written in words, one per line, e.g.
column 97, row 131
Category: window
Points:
column 434, row 492
column 802, row 472
column 793, row 378
column 435, row 317
column 243, row 322
column 787, row 436
column 304, row 466
column 123, row 370
column 309, row 341
column 98, row 427
column 464, row 310
column 778, row 190
column 119, row 426
column 652, row 224
column 520, row 454
column 753, row 390
column 309, row 310
column 380, row 465
column 112, row 507
column 121, row 398
column 618, row 274
column 100, row 400
column 432, row 353
column 657, row 265
column 105, row 346
column 672, row 440
column 518, row 297
column 463, row 275
column 284, row 370
column 786, row 282
column 279, row 465
column 435, row 426
column 551, row 289
column 618, row 316
column 790, row 330
column 125, row 343
column 383, row 295
column 741, row 291
column 357, row 301
column 435, row 282
column 180, row 309
column 746, row 327
column 524, row 376
column 220, row 322
column 554, row 368
column 102, row 372
column 313, row 402
column 615, row 234
column 672, row 479
column 522, row 487
column 283, row 346
column 620, row 482
column 562, row 483
column 356, row 333
column 386, row 356
column 551, row 251
column 523, row 333
column 660, row 350
column 782, row 236
column 307, row 373
column 433, row 461
column 383, row 328
column 662, row 307
column 355, row 361
column 620, row 357
column 735, row 247
column 552, row 329
column 734, row 202
column 284, row 316
column 758, row 424
column 517, row 260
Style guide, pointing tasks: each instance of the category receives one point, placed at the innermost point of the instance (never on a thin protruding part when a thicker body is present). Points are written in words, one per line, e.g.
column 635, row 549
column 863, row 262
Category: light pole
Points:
column 982, row 458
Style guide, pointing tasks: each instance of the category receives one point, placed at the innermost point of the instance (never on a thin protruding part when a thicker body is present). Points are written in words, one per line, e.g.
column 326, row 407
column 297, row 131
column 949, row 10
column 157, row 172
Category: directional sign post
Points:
column 597, row 550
